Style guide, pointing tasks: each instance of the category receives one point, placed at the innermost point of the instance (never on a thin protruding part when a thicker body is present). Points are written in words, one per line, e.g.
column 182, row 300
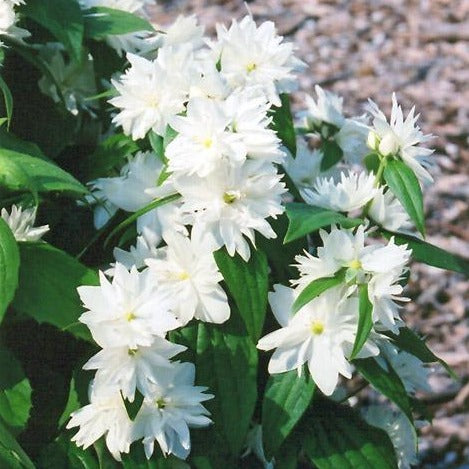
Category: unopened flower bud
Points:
column 389, row 145
column 373, row 140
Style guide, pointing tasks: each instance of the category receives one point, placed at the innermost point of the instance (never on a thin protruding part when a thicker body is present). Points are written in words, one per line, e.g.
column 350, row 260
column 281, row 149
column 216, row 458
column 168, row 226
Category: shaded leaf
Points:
column 248, row 284
column 8, row 99
column 282, row 123
column 365, row 320
column 286, row 398
column 332, row 154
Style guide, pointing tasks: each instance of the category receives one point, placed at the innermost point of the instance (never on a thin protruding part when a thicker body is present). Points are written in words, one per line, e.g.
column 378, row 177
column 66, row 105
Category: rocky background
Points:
column 420, row 49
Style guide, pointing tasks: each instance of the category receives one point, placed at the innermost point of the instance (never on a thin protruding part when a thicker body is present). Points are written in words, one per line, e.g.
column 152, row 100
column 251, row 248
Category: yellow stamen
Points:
column 130, row 316
column 251, row 67
column 160, row 403
column 132, row 351
column 207, row 143
column 182, row 275
column 355, row 264
column 317, row 327
column 229, row 197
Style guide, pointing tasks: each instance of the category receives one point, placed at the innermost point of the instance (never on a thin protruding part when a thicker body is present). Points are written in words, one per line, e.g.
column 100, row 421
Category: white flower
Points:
column 248, row 119
column 144, row 248
column 105, row 415
column 351, row 138
column 344, row 249
column 327, row 109
column 136, row 187
column 171, row 407
column 21, row 223
column 305, row 168
column 203, row 140
column 254, row 444
column 401, row 137
column 129, row 369
column 8, row 19
column 232, row 202
column 104, row 210
column 184, row 30
column 150, row 93
column 412, row 372
column 186, row 270
column 353, row 191
column 400, row 431
column 321, row 334
column 75, row 79
column 387, row 211
column 379, row 266
column 127, row 312
column 256, row 56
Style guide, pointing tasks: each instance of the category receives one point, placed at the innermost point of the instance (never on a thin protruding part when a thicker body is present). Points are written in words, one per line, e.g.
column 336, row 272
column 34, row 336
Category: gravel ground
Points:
column 420, row 49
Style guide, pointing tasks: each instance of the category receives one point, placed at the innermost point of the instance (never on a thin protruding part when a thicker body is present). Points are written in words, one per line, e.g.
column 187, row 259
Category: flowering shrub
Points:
column 189, row 275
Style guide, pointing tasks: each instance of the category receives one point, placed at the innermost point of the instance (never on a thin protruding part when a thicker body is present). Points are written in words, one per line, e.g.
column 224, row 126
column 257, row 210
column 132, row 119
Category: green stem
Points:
column 379, row 175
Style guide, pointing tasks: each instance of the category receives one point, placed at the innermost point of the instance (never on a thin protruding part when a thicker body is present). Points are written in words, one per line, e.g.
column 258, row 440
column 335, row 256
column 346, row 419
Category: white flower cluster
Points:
column 21, row 223
column 212, row 180
column 8, row 19
column 219, row 174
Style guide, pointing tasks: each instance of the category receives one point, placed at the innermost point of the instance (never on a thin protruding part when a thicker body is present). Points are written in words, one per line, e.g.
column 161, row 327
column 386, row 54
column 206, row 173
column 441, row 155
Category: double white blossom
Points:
column 169, row 409
column 321, row 334
column 381, row 266
column 21, row 222
column 400, row 138
column 252, row 55
column 8, row 19
column 186, row 270
column 352, row 192
column 231, row 203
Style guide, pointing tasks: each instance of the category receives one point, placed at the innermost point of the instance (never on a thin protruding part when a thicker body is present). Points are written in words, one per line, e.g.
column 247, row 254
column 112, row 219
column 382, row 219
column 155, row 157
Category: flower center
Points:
column 231, row 196
column 130, row 316
column 207, row 143
column 355, row 264
column 160, row 403
column 317, row 327
column 251, row 67
column 132, row 351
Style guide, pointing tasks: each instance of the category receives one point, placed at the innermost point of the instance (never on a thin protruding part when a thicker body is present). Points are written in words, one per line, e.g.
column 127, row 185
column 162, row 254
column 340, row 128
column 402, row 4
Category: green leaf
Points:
column 371, row 162
column 10, row 141
column 47, row 291
column 410, row 342
column 12, row 455
column 62, row 18
column 8, row 98
column 388, row 383
column 282, row 123
column 338, row 438
column 12, row 371
column 365, row 320
column 227, row 363
column 305, row 219
column 101, row 22
column 63, row 453
column 9, row 266
column 25, row 172
column 248, row 283
column 15, row 405
column 315, row 288
column 286, row 398
column 109, row 154
column 406, row 187
column 332, row 154
column 430, row 254
column 157, row 144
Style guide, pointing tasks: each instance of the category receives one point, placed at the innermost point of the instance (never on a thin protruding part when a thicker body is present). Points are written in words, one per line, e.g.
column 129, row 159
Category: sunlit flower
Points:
column 169, row 409
column 186, row 270
column 326, row 109
column 321, row 334
column 401, row 138
column 21, row 222
column 8, row 19
column 387, row 211
column 105, row 415
column 129, row 369
column 231, row 203
column 128, row 312
column 353, row 191
column 256, row 56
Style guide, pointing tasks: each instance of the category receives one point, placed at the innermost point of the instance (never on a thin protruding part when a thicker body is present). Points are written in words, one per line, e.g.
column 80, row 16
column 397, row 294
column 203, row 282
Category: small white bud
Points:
column 389, row 145
column 373, row 140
